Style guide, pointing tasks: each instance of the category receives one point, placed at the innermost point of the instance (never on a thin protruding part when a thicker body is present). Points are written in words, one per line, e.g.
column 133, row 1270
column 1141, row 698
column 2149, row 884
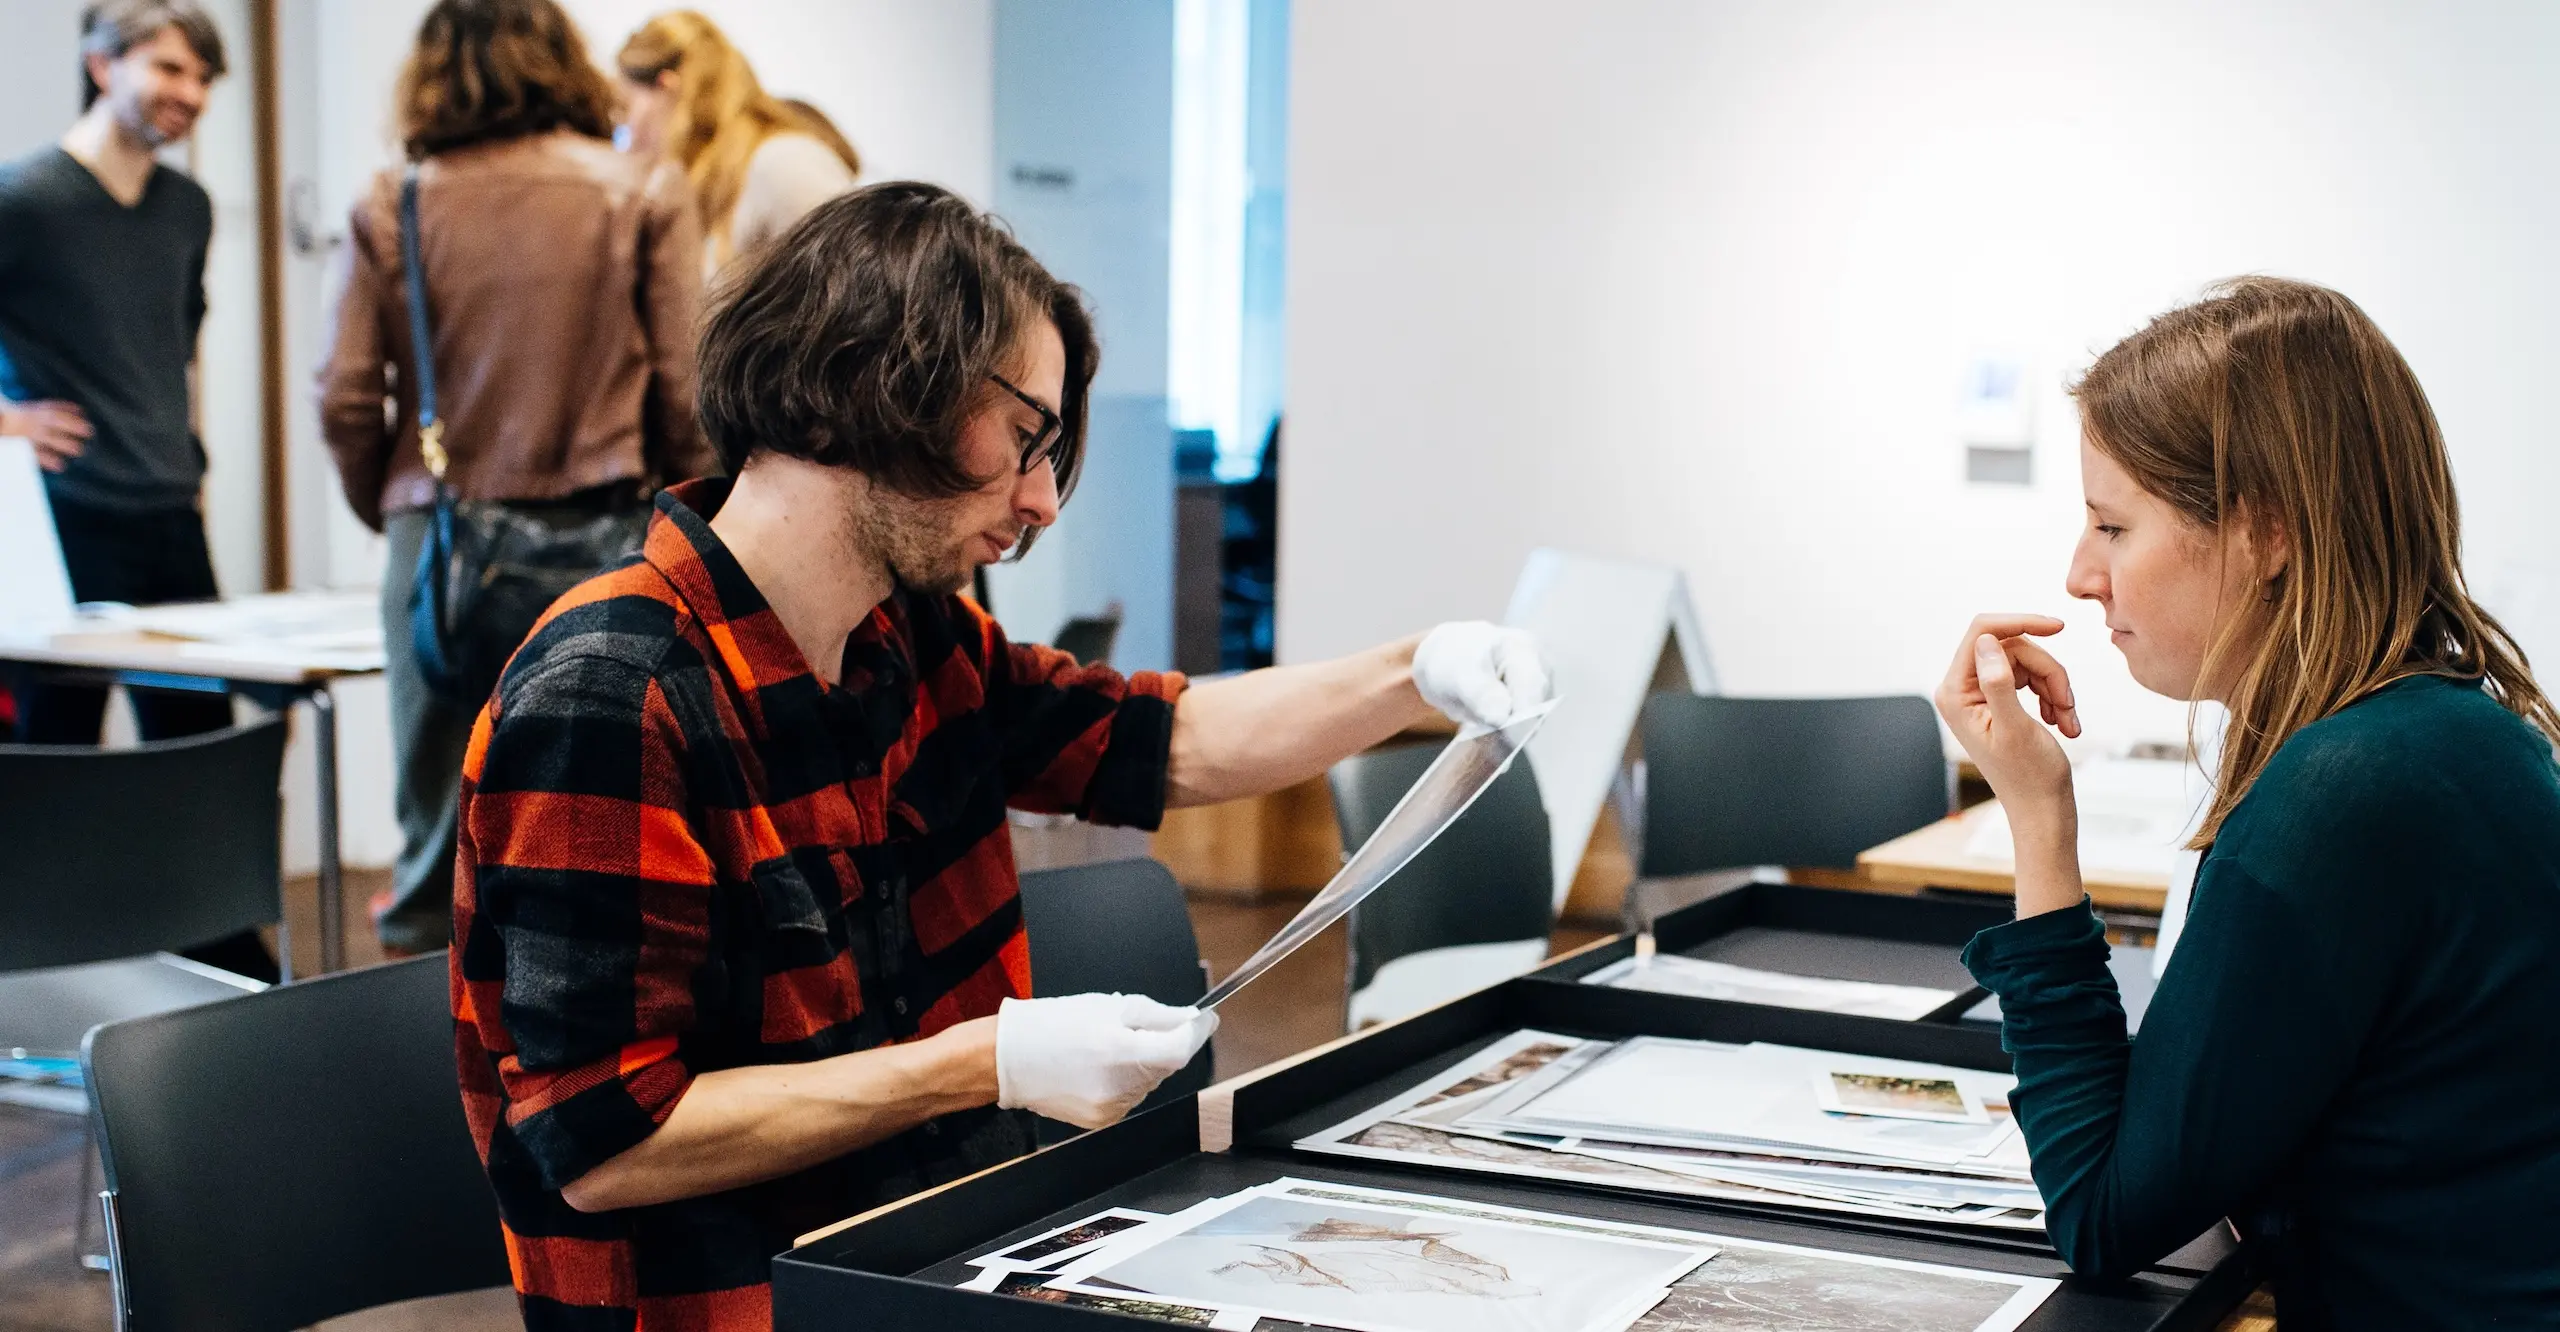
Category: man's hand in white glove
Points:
column 1088, row 1058
column 1481, row 674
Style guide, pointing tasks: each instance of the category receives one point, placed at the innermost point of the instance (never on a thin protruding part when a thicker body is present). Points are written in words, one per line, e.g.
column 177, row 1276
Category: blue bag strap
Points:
column 430, row 430
column 427, row 627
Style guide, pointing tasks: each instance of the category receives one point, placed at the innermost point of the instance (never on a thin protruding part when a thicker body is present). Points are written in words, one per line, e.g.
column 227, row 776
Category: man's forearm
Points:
column 741, row 1126
column 1271, row 728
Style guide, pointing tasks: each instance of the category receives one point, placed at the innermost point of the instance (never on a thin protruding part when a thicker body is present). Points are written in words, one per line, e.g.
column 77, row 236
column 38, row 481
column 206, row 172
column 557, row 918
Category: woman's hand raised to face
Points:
column 1979, row 700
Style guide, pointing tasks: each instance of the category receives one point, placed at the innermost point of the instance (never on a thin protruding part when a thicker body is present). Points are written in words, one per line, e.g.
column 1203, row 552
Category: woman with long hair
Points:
column 2353, row 1055
column 562, row 282
column 757, row 162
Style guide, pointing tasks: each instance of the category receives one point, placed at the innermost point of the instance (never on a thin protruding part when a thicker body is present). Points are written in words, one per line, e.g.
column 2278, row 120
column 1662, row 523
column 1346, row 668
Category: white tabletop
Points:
column 293, row 638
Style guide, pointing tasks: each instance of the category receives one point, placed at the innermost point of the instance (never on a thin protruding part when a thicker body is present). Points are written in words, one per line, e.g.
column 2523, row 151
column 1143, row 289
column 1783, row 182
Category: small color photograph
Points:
column 1882, row 1094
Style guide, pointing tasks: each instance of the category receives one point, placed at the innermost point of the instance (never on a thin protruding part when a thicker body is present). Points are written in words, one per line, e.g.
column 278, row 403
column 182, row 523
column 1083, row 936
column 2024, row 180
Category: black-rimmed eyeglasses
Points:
column 1051, row 441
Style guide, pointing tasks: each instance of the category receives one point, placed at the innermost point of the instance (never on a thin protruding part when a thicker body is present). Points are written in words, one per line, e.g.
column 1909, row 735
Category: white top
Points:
column 790, row 174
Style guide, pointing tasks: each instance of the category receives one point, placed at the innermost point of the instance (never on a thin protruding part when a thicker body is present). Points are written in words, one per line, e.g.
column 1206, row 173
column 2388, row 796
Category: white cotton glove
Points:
column 1481, row 674
column 1087, row 1058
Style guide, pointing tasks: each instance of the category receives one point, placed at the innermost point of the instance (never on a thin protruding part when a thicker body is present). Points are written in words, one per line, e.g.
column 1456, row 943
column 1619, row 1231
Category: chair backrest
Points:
column 1119, row 925
column 1089, row 638
column 1735, row 782
column 290, row 1156
column 1486, row 879
column 114, row 852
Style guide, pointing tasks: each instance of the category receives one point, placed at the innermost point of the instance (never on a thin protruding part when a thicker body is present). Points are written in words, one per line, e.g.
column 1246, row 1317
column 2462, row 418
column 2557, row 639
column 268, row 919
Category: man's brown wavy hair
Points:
column 867, row 334
column 2281, row 404
column 112, row 28
column 499, row 69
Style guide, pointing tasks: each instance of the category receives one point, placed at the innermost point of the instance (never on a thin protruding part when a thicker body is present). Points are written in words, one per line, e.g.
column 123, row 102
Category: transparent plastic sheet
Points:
column 1461, row 773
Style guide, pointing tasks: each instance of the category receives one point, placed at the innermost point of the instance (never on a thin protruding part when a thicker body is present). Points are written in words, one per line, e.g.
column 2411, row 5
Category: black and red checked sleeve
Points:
column 1075, row 739
column 591, row 901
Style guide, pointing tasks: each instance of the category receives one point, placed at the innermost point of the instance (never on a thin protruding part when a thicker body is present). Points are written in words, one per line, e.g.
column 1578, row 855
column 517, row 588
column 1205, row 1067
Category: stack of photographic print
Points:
column 1698, row 978
column 1758, row 1123
column 1300, row 1256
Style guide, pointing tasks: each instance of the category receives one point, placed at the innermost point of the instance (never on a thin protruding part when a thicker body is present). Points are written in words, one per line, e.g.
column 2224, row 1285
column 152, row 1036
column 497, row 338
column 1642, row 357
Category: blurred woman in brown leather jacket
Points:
column 563, row 279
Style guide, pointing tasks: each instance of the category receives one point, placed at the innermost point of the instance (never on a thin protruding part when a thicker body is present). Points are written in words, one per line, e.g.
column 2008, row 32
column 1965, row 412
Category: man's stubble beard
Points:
column 137, row 120
column 912, row 539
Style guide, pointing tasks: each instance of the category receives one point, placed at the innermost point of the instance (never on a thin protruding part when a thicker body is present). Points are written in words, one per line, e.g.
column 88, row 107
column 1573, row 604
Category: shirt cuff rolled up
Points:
column 2050, row 971
column 1128, row 785
column 622, row 1104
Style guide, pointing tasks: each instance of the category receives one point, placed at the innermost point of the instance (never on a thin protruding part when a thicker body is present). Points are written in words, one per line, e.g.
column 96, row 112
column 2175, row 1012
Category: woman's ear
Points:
column 2270, row 547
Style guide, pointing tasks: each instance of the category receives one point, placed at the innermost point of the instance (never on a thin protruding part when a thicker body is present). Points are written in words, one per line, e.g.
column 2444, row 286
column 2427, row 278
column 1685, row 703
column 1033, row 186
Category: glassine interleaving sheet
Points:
column 1453, row 781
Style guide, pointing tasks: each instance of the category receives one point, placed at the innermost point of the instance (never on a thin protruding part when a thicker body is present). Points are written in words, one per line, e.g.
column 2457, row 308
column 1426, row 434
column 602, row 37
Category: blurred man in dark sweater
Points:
column 102, row 257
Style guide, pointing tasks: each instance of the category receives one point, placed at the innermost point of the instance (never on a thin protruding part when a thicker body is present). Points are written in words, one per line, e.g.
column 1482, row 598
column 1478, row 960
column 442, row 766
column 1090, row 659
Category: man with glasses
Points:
column 738, row 951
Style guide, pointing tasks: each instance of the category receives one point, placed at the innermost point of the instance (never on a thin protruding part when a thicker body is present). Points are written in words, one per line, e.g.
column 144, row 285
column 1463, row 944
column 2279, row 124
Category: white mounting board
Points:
column 1606, row 627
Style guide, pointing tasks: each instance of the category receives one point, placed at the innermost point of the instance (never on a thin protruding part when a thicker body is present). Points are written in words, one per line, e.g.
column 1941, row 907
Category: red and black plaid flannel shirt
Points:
column 680, row 853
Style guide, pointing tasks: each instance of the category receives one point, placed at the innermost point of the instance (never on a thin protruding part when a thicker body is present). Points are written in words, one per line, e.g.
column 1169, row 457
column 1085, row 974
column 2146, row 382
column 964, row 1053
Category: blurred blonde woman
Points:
column 757, row 162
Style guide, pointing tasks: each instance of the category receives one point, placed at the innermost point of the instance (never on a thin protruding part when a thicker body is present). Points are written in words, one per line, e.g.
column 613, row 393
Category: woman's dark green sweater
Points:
column 2355, row 1054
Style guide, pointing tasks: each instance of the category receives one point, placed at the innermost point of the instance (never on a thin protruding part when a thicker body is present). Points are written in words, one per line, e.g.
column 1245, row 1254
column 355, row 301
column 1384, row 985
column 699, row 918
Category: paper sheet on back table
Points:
column 35, row 597
column 1461, row 773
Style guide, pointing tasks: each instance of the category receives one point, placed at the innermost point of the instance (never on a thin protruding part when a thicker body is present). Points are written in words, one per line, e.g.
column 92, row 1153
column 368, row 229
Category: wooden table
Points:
column 1940, row 856
column 273, row 674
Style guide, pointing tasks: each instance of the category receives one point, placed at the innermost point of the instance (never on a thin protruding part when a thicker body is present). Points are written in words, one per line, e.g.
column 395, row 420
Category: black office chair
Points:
column 1089, row 638
column 291, row 1156
column 1486, row 880
column 1119, row 925
column 113, row 853
column 1731, row 783
column 111, row 860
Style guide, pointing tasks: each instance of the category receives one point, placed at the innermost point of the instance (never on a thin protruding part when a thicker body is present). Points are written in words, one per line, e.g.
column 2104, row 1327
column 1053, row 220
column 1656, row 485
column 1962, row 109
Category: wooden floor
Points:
column 43, row 1288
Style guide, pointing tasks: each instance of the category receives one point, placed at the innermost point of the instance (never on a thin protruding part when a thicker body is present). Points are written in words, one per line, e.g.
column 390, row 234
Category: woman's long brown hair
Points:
column 498, row 69
column 722, row 113
column 2282, row 405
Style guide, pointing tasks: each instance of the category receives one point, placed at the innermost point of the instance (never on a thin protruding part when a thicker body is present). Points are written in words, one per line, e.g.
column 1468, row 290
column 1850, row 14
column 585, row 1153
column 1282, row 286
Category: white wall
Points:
column 1697, row 284
column 230, row 385
column 1083, row 151
column 39, row 85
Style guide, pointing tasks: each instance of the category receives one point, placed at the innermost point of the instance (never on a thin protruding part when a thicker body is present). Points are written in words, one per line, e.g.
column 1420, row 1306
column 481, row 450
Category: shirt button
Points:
column 900, row 1005
column 881, row 890
column 933, row 1128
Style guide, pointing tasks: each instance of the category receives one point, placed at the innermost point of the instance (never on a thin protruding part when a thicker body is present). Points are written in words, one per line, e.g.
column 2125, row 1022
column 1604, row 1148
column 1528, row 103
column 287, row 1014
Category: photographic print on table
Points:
column 1394, row 1140
column 1673, row 973
column 1383, row 1266
column 1522, row 1056
column 1676, row 1092
column 1534, row 1050
column 1751, row 1286
column 1033, row 1286
column 1426, row 1124
column 1051, row 1249
column 1897, row 1096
